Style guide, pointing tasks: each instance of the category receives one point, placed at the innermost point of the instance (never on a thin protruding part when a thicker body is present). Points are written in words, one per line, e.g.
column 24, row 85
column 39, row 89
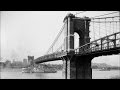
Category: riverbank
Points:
column 115, row 77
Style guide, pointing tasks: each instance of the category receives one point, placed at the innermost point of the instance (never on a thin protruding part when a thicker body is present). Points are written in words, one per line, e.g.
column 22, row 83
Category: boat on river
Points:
column 26, row 70
column 104, row 69
column 37, row 70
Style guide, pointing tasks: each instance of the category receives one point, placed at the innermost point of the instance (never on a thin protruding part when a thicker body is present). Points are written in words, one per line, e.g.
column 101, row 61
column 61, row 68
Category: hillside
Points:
column 103, row 65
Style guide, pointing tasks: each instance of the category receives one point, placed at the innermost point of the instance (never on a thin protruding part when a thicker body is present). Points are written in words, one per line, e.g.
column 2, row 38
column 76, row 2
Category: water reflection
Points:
column 17, row 74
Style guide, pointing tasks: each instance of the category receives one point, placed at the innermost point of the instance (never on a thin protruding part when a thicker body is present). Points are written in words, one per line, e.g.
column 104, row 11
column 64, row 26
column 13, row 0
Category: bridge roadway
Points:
column 94, row 51
column 57, row 56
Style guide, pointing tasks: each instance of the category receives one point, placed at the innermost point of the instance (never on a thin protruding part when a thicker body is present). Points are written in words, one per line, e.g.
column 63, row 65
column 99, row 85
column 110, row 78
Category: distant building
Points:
column 8, row 63
column 30, row 60
column 25, row 61
column 13, row 61
column 2, row 64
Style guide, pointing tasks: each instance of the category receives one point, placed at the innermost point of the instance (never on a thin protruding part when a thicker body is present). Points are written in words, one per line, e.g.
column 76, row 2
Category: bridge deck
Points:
column 55, row 56
column 102, row 46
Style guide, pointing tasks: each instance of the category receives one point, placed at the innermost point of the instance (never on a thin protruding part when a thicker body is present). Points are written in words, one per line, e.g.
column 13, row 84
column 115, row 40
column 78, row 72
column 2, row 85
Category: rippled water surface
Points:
column 17, row 74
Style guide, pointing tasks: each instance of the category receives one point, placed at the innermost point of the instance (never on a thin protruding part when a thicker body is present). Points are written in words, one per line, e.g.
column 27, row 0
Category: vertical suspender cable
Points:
column 116, row 26
column 113, row 24
column 119, row 21
column 99, row 29
column 110, row 28
column 93, row 31
column 105, row 27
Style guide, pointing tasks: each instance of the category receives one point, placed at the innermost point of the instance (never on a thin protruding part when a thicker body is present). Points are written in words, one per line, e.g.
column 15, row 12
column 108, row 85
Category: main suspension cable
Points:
column 103, row 15
column 79, row 13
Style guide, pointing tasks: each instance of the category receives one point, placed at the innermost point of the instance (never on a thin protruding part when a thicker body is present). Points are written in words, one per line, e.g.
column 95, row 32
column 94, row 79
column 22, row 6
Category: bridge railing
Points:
column 107, row 42
column 54, row 55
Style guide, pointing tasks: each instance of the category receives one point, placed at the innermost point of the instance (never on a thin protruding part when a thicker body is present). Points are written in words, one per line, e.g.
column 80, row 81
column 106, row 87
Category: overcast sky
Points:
column 26, row 33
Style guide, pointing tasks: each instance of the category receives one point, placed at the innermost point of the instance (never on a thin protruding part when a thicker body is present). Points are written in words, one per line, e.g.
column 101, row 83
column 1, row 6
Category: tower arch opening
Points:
column 76, row 40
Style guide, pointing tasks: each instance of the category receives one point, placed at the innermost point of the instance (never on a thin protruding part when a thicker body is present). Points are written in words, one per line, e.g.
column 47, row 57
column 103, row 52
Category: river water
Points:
column 17, row 74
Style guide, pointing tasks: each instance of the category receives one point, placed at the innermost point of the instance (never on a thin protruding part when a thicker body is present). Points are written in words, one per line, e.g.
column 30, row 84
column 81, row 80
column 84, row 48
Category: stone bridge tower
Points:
column 76, row 67
column 30, row 60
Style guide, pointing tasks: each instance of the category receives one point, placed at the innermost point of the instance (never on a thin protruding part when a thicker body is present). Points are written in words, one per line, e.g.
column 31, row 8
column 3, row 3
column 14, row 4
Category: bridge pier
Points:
column 76, row 67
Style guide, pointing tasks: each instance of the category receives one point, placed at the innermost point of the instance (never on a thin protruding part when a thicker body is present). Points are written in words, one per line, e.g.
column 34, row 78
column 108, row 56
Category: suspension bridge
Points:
column 99, row 35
